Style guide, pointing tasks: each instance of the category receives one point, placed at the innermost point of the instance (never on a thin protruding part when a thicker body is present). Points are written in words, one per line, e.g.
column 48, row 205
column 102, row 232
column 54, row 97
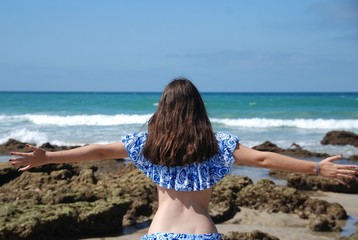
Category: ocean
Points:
column 79, row 118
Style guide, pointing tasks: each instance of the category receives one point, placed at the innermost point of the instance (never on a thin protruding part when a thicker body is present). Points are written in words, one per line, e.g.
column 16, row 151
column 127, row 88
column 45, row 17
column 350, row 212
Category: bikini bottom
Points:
column 182, row 236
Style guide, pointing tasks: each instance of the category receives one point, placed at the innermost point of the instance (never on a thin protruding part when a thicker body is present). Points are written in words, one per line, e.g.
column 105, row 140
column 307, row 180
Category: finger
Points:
column 341, row 182
column 19, row 163
column 345, row 176
column 339, row 166
column 25, row 168
column 32, row 147
column 21, row 154
column 335, row 158
column 347, row 171
column 17, row 159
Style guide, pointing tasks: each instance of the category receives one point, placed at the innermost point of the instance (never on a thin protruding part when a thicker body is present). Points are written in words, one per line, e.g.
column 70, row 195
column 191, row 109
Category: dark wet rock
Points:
column 320, row 183
column 50, row 147
column 340, row 138
column 315, row 207
column 269, row 146
column 223, row 203
column 353, row 158
column 255, row 235
column 294, row 150
column 13, row 145
column 323, row 224
column 7, row 173
column 297, row 150
column 312, row 182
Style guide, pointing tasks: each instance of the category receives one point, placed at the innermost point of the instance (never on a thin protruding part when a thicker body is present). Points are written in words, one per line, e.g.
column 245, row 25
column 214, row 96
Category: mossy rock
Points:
column 61, row 221
column 255, row 235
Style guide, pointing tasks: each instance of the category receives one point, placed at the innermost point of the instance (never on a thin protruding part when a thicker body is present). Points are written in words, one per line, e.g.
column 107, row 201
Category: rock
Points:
column 268, row 146
column 49, row 147
column 318, row 208
column 353, row 158
column 265, row 195
column 336, row 211
column 7, row 173
column 322, row 224
column 297, row 150
column 75, row 197
column 340, row 138
column 294, row 150
column 84, row 195
column 320, row 183
column 134, row 185
column 12, row 145
column 61, row 221
column 223, row 206
column 312, row 182
column 255, row 235
column 86, row 176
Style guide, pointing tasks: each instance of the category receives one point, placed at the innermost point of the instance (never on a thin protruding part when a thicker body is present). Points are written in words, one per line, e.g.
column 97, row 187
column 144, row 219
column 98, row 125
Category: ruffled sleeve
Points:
column 134, row 143
column 220, row 164
column 192, row 177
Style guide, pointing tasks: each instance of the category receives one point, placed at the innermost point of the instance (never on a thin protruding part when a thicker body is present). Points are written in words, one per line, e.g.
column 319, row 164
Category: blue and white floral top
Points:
column 192, row 177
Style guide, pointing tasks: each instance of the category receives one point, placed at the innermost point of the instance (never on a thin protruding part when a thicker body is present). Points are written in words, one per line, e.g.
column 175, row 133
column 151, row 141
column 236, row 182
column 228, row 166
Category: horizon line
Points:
column 156, row 92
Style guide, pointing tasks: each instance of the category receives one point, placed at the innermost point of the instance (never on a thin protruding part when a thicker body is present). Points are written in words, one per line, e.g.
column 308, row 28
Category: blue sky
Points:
column 239, row 46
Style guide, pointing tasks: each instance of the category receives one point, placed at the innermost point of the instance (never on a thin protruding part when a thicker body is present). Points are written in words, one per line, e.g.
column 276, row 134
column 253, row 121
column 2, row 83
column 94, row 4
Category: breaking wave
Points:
column 127, row 119
column 292, row 123
column 77, row 120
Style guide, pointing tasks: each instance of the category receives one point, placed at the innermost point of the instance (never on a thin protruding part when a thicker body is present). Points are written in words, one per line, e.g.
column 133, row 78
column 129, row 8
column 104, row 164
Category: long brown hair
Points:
column 180, row 132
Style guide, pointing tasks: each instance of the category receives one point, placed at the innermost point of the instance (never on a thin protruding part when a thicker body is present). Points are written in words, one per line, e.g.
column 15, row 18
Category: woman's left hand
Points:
column 338, row 172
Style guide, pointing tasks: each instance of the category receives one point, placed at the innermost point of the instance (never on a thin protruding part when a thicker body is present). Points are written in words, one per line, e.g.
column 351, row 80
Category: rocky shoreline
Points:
column 72, row 201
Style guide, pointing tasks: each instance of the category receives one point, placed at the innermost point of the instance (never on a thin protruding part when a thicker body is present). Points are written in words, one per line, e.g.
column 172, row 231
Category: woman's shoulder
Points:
column 134, row 142
column 226, row 137
column 130, row 137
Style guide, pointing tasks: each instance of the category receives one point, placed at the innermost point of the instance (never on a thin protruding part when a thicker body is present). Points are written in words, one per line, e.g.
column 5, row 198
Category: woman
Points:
column 185, row 158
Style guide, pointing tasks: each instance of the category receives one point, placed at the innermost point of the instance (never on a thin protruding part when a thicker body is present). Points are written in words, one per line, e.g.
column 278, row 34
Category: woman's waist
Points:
column 182, row 211
column 187, row 221
column 172, row 210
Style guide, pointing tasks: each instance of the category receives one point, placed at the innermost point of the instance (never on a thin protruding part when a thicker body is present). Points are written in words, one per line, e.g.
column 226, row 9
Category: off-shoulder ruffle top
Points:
column 192, row 177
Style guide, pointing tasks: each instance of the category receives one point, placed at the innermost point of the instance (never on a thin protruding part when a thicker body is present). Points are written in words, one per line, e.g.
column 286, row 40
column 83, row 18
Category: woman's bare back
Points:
column 183, row 212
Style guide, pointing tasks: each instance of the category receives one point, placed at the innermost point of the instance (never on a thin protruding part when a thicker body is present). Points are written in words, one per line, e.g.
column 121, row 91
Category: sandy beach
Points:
column 281, row 225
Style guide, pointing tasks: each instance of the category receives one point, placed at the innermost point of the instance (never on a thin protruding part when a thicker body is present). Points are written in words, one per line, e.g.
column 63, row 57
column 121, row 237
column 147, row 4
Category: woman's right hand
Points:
column 29, row 160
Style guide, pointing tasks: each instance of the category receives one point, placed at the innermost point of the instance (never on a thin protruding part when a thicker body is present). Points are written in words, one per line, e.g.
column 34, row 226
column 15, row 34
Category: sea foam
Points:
column 25, row 135
column 78, row 120
column 292, row 123
column 127, row 119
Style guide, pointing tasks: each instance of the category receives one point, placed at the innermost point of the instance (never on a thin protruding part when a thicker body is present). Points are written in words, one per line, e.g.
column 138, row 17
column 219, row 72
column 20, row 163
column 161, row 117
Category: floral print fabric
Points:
column 192, row 177
column 182, row 236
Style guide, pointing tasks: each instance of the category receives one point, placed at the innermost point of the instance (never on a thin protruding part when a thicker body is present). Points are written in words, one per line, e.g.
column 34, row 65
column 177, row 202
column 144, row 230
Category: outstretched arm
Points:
column 326, row 167
column 40, row 157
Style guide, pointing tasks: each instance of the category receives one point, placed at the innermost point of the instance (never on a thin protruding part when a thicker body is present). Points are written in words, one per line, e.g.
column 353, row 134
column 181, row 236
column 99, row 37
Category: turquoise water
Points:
column 81, row 118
